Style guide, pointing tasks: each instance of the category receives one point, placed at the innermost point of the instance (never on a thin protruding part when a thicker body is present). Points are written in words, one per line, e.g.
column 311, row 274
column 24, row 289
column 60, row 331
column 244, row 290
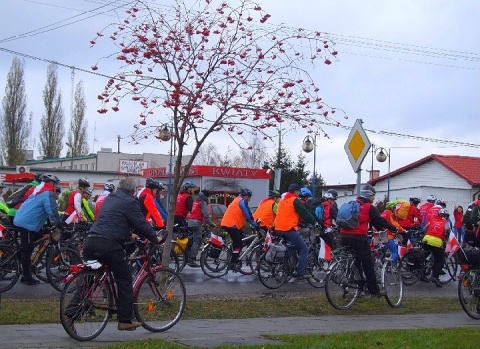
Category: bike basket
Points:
column 470, row 256
column 380, row 237
column 214, row 251
column 181, row 245
column 275, row 252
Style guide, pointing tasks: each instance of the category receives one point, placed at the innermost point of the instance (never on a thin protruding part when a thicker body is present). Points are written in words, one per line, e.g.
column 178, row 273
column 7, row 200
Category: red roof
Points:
column 466, row 167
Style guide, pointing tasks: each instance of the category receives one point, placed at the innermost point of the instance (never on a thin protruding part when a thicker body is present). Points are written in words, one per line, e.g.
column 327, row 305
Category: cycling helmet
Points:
column 246, row 192
column 273, row 194
column 48, row 177
column 305, row 193
column 329, row 196
column 333, row 192
column 153, row 184
column 188, row 185
column 205, row 192
column 431, row 198
column 441, row 202
column 415, row 201
column 88, row 192
column 367, row 190
column 390, row 205
column 109, row 187
column 83, row 183
column 443, row 213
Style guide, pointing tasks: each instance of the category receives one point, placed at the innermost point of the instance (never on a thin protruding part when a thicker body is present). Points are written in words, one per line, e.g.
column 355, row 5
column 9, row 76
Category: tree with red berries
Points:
column 208, row 66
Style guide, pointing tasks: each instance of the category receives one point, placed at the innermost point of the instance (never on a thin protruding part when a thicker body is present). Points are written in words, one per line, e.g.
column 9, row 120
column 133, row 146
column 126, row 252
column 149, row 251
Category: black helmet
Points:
column 83, row 183
column 333, row 192
column 246, row 192
column 273, row 194
column 205, row 192
column 153, row 184
column 367, row 190
column 48, row 177
column 441, row 202
column 415, row 201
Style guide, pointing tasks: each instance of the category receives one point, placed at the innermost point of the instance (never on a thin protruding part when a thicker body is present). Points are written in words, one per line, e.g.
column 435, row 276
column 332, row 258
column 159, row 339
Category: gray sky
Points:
column 405, row 67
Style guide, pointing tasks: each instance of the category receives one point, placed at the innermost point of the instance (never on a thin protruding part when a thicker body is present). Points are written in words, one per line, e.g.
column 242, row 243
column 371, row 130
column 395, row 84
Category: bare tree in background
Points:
column 253, row 157
column 14, row 128
column 77, row 135
column 213, row 66
column 208, row 155
column 52, row 123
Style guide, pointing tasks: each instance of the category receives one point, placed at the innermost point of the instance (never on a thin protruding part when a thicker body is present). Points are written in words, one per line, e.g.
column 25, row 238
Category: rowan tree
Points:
column 209, row 66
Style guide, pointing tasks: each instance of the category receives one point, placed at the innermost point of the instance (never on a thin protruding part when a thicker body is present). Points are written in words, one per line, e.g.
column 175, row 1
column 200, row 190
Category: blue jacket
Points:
column 34, row 212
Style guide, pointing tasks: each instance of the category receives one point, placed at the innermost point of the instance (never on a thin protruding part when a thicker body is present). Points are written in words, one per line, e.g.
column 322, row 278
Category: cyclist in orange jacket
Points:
column 267, row 210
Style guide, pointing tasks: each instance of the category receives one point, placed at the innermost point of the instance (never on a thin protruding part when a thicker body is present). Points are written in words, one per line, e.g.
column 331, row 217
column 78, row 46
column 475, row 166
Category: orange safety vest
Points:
column 233, row 216
column 287, row 217
column 265, row 213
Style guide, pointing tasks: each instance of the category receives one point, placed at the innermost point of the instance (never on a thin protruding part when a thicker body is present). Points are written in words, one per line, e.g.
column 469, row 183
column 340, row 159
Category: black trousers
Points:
column 438, row 259
column 237, row 244
column 26, row 239
column 364, row 260
column 115, row 257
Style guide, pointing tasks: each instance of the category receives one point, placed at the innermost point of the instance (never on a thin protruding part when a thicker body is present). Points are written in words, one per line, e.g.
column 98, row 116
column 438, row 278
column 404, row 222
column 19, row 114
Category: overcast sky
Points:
column 409, row 67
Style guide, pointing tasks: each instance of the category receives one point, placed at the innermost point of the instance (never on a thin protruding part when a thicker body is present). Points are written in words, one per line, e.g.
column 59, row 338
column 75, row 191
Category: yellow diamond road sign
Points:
column 357, row 145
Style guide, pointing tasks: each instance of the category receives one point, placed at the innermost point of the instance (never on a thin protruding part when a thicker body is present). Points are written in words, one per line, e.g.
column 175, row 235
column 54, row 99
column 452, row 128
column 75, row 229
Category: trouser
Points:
column 27, row 239
column 364, row 260
column 438, row 259
column 459, row 234
column 392, row 246
column 236, row 235
column 196, row 240
column 297, row 241
column 115, row 257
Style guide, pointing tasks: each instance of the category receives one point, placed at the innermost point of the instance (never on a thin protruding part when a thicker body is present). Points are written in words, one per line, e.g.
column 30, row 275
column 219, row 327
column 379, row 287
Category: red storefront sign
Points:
column 213, row 171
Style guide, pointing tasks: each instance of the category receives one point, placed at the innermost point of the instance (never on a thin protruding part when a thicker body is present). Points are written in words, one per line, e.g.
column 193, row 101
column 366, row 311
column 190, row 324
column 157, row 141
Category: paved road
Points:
column 208, row 333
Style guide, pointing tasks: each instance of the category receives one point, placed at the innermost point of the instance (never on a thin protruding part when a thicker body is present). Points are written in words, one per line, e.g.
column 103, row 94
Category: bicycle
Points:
column 47, row 261
column 215, row 258
column 344, row 282
column 469, row 283
column 90, row 296
column 181, row 243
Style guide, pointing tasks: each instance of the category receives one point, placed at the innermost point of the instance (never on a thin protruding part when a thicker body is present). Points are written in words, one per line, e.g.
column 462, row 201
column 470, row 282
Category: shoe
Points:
column 193, row 264
column 71, row 325
column 436, row 281
column 380, row 294
column 303, row 277
column 128, row 326
column 29, row 281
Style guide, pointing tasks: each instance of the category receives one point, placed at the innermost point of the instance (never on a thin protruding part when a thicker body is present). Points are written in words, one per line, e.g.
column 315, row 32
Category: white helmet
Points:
column 431, row 198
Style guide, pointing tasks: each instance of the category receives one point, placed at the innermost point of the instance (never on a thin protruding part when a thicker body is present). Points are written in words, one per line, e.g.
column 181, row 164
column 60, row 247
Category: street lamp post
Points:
column 166, row 134
column 307, row 146
column 382, row 155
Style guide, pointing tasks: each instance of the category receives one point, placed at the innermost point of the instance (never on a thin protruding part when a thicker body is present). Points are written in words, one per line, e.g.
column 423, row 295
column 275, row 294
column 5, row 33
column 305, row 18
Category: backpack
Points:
column 471, row 217
column 402, row 209
column 348, row 215
column 319, row 212
column 17, row 196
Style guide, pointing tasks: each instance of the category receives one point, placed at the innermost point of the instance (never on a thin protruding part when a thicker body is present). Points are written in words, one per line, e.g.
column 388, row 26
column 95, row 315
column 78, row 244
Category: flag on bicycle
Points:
column 402, row 250
column 2, row 228
column 325, row 251
column 452, row 245
column 216, row 240
column 73, row 218
column 268, row 239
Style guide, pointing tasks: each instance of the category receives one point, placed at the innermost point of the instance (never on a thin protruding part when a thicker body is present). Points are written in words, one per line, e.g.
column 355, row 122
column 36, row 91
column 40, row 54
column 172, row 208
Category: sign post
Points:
column 357, row 147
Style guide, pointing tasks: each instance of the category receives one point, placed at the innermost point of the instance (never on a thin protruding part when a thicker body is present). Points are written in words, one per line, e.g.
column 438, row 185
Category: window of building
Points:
column 93, row 167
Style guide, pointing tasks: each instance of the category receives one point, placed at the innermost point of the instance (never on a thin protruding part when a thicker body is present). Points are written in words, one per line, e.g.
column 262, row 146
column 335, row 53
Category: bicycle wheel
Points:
column 273, row 274
column 469, row 293
column 392, row 283
column 450, row 268
column 86, row 300
column 253, row 259
column 317, row 268
column 216, row 266
column 159, row 300
column 342, row 284
column 156, row 252
column 181, row 255
column 39, row 269
column 9, row 268
column 244, row 265
column 410, row 274
column 58, row 264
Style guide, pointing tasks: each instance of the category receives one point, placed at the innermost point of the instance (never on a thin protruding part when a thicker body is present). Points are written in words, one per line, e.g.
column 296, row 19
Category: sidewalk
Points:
column 210, row 333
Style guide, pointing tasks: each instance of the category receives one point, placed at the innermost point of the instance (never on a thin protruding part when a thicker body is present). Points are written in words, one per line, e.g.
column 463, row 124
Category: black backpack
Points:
column 17, row 196
column 471, row 217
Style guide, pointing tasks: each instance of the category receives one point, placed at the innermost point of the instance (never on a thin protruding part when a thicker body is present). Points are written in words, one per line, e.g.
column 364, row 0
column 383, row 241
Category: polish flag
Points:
column 402, row 250
column 268, row 239
column 2, row 228
column 325, row 251
column 452, row 245
column 73, row 218
column 216, row 240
